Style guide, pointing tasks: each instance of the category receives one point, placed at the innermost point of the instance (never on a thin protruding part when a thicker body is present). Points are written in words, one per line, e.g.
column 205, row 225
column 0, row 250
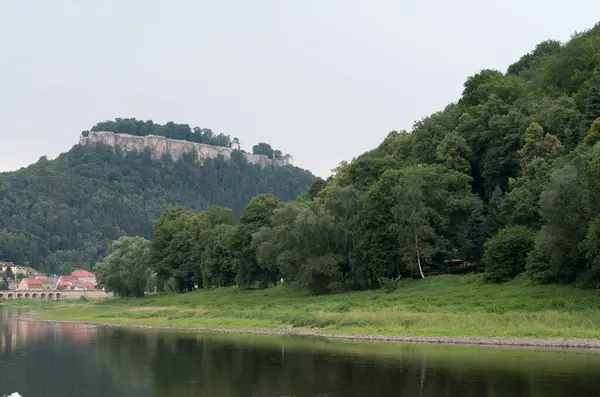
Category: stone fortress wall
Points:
column 160, row 146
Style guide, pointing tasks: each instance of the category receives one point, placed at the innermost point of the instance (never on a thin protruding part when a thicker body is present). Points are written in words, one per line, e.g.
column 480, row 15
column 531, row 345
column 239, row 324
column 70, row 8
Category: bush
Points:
column 388, row 284
column 506, row 252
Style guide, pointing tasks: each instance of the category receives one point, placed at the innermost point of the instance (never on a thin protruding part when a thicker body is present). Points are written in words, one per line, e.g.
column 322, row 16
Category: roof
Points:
column 31, row 281
column 68, row 278
column 41, row 277
column 82, row 273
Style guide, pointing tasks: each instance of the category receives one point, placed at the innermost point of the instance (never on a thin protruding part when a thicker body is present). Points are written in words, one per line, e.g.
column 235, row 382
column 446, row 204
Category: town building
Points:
column 85, row 276
column 30, row 284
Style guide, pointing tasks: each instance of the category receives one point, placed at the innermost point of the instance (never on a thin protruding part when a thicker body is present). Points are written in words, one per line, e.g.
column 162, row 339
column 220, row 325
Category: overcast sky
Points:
column 323, row 80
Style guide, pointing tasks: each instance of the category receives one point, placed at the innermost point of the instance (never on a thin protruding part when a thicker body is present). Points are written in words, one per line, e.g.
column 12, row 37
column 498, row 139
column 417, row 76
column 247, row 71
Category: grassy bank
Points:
column 438, row 306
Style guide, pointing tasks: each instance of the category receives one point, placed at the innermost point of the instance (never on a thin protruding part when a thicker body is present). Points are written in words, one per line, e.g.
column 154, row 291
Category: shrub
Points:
column 506, row 252
column 388, row 284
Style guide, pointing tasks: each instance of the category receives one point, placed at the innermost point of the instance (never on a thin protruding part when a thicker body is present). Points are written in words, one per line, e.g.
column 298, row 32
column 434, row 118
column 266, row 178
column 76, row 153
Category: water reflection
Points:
column 66, row 360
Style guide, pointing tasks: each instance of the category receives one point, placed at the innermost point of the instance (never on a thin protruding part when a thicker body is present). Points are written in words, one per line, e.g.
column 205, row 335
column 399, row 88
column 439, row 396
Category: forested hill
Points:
column 65, row 212
column 508, row 177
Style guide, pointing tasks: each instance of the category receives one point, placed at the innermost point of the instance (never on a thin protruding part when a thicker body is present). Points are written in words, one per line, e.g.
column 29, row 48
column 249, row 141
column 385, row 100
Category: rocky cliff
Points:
column 160, row 146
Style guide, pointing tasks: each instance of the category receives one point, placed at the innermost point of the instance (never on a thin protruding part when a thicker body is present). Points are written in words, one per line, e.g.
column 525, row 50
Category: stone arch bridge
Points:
column 54, row 295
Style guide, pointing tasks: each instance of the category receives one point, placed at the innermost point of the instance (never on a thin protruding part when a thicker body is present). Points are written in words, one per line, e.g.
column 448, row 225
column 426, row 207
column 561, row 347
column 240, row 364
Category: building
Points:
column 85, row 276
column 74, row 283
column 17, row 269
column 48, row 283
column 30, row 284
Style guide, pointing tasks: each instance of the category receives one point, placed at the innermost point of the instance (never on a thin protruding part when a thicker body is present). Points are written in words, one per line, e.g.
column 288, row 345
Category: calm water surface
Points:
column 51, row 360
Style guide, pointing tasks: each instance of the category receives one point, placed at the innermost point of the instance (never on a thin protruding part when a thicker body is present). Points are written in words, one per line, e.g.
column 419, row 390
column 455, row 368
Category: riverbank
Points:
column 445, row 309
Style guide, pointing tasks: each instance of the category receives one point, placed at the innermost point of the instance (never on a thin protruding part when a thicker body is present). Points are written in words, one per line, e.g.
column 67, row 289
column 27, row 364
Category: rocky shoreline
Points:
column 558, row 343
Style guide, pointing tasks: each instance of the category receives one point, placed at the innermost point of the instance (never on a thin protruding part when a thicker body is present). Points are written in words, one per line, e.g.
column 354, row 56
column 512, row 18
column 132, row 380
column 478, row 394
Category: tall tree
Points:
column 257, row 214
column 414, row 231
column 126, row 270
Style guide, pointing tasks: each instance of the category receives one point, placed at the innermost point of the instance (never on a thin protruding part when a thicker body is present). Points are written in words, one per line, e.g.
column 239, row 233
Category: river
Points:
column 52, row 360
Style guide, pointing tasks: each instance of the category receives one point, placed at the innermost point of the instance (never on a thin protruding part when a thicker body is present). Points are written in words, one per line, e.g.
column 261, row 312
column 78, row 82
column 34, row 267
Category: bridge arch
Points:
column 19, row 296
column 34, row 296
column 50, row 296
column 1, row 296
column 43, row 296
column 57, row 295
column 10, row 296
column 26, row 295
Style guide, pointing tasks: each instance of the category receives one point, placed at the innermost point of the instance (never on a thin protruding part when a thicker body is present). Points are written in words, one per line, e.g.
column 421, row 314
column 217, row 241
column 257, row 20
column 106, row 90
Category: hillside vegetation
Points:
column 508, row 176
column 64, row 213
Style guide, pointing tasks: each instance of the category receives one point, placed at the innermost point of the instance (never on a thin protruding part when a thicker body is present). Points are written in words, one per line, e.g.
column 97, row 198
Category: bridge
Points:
column 54, row 295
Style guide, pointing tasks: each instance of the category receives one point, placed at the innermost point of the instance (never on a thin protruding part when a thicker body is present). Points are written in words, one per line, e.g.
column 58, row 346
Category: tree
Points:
column 9, row 273
column 431, row 202
column 591, row 111
column 263, row 148
column 506, row 253
column 410, row 216
column 165, row 253
column 299, row 243
column 218, row 259
column 454, row 152
column 257, row 214
column 593, row 134
column 125, row 271
column 538, row 145
column 3, row 285
column 557, row 255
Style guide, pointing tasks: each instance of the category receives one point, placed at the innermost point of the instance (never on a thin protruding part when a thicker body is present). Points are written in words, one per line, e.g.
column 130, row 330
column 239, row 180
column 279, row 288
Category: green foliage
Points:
column 170, row 130
column 64, row 213
column 507, row 163
column 454, row 152
column 125, row 271
column 593, row 135
column 267, row 150
column 389, row 284
column 506, row 253
column 3, row 285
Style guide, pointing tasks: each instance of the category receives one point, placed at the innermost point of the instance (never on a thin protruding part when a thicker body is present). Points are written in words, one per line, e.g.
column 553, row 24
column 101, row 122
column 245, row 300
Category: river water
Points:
column 51, row 360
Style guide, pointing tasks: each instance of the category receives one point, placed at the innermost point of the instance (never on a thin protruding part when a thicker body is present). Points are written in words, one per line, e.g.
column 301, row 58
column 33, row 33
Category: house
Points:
column 29, row 284
column 84, row 275
column 80, row 285
column 62, row 285
column 72, row 283
column 48, row 283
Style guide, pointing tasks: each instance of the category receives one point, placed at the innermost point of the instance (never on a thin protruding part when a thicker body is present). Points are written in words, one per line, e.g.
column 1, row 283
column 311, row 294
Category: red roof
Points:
column 61, row 282
column 41, row 278
column 68, row 278
column 82, row 273
column 31, row 281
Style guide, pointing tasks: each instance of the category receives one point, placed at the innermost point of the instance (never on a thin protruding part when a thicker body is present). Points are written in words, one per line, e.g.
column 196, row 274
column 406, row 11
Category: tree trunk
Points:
column 418, row 253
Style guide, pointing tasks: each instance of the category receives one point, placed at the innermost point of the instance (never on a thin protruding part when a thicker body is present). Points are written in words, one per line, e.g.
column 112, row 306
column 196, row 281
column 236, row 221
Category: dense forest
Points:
column 62, row 213
column 508, row 176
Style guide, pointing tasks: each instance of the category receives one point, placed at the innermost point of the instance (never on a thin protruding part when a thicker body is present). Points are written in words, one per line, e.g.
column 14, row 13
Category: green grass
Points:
column 437, row 306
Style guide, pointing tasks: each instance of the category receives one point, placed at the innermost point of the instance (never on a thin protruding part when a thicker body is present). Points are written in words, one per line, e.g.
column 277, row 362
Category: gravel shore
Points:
column 562, row 343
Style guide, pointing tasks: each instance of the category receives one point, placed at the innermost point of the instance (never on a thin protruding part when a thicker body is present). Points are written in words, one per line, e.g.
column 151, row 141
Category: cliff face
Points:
column 160, row 146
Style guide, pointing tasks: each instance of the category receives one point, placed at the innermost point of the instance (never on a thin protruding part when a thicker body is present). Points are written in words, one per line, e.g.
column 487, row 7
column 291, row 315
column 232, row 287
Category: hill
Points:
column 65, row 212
column 507, row 177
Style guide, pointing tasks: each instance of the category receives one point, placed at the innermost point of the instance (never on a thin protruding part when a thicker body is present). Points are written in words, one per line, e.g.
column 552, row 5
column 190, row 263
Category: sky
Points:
column 323, row 80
